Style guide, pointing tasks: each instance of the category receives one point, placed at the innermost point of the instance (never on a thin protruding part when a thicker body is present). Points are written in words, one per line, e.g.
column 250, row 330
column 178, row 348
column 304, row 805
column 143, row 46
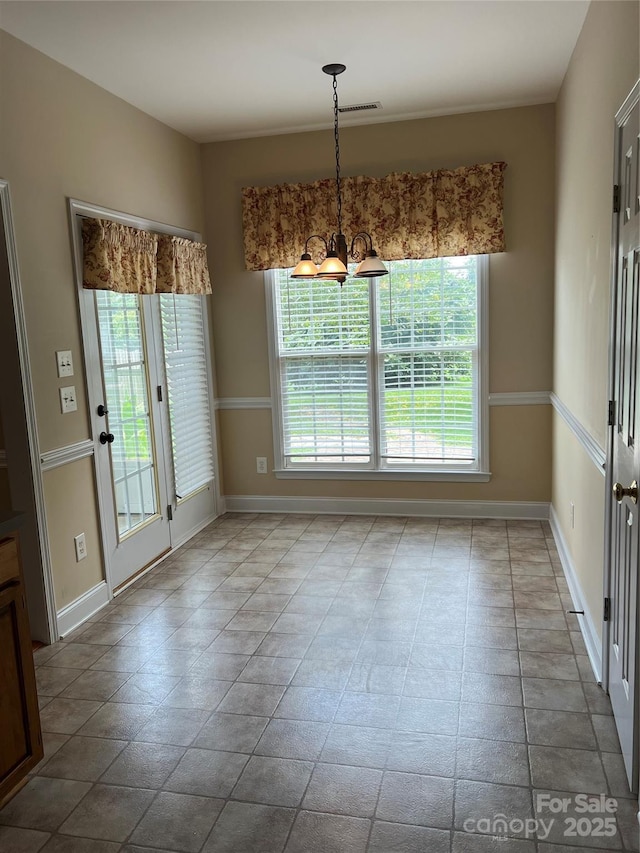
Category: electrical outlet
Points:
column 68, row 401
column 572, row 514
column 81, row 547
column 65, row 363
column 261, row 464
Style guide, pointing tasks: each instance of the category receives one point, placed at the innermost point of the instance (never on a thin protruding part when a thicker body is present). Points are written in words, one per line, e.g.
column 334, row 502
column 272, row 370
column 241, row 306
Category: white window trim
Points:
column 444, row 474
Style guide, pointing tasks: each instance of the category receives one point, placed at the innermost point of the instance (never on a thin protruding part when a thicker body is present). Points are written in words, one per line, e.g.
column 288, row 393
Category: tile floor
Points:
column 327, row 684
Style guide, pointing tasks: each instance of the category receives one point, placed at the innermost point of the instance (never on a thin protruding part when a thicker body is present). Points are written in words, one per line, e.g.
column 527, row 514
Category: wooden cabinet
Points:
column 20, row 737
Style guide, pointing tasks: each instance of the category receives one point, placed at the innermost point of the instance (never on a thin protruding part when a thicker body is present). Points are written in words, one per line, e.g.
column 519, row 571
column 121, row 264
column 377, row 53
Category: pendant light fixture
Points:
column 334, row 266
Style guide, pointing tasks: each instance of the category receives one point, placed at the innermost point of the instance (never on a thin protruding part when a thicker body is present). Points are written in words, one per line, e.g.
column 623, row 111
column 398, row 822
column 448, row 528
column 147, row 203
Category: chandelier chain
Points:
column 336, row 134
column 334, row 267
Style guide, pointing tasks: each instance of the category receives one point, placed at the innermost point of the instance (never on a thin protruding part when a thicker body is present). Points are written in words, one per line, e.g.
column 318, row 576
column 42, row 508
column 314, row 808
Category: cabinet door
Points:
column 21, row 741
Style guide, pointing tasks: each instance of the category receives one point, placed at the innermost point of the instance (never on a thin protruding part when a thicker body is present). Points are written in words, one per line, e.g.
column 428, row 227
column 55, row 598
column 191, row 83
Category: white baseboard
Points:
column 587, row 625
column 74, row 614
column 383, row 506
column 84, row 607
column 191, row 533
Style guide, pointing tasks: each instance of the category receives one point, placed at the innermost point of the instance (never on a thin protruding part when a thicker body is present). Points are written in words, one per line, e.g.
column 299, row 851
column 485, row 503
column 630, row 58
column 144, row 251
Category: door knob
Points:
column 106, row 437
column 619, row 492
column 102, row 411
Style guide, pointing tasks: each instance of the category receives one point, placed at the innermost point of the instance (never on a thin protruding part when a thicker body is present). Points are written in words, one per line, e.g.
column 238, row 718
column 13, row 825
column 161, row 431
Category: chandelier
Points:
column 334, row 266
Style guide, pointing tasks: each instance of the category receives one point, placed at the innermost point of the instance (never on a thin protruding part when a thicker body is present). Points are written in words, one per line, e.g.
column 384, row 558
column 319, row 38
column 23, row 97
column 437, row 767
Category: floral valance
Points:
column 118, row 258
column 129, row 260
column 434, row 214
column 182, row 266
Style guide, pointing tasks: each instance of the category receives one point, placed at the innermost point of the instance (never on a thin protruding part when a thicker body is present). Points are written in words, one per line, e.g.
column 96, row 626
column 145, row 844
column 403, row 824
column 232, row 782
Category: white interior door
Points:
column 128, row 428
column 625, row 461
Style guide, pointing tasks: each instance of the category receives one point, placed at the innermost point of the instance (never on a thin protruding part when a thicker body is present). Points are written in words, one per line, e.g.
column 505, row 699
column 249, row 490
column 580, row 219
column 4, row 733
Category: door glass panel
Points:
column 127, row 400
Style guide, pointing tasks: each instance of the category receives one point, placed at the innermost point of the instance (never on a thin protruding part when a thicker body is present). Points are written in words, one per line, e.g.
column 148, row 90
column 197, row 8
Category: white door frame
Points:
column 93, row 381
column 620, row 118
column 34, row 462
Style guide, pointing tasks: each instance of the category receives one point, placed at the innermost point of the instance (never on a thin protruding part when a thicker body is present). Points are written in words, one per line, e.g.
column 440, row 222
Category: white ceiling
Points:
column 224, row 70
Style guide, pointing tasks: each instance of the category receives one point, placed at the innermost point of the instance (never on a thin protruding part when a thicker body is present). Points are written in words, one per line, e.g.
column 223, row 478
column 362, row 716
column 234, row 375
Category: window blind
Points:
column 323, row 342
column 380, row 373
column 187, row 391
column 427, row 361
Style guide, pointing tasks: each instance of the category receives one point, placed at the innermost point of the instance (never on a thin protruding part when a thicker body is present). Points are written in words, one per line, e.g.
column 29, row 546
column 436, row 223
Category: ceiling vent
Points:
column 357, row 108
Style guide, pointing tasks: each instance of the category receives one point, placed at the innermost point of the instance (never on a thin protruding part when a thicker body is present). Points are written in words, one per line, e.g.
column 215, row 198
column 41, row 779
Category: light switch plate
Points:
column 68, row 401
column 65, row 363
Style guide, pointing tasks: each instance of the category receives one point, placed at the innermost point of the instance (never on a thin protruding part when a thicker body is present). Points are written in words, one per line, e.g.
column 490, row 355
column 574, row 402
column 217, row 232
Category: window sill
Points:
column 425, row 476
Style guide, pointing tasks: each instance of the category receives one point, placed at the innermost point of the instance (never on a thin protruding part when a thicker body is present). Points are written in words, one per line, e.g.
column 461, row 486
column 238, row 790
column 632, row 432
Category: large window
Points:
column 381, row 375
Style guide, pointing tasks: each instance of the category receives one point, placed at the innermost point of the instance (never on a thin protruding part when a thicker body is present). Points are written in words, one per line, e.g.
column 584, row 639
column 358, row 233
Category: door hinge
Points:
column 607, row 609
column 170, row 512
column 616, row 198
column 159, row 393
column 611, row 413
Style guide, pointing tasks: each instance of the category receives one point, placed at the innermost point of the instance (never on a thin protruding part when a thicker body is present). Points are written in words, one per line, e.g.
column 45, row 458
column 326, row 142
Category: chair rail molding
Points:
column 594, row 451
column 520, row 398
column 506, row 398
column 243, row 403
column 64, row 455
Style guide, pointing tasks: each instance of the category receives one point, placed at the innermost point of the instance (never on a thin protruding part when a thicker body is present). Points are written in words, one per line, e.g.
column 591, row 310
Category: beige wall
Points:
column 521, row 286
column 69, row 491
column 245, row 435
column 62, row 136
column 603, row 69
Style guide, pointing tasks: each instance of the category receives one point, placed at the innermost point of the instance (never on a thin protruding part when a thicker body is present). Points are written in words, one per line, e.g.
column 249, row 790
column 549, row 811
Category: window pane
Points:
column 427, row 326
column 427, row 408
column 325, row 409
column 127, row 401
column 428, row 303
column 322, row 314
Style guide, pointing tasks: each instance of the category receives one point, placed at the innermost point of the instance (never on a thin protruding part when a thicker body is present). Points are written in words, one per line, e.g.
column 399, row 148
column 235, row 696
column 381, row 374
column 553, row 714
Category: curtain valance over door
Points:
column 130, row 260
column 433, row 214
column 182, row 266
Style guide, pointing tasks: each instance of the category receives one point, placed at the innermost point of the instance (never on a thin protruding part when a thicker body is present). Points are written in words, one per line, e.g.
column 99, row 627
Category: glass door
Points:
column 183, row 336
column 130, row 434
column 148, row 366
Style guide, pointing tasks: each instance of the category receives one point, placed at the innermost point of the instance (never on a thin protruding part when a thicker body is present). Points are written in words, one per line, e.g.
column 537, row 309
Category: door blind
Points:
column 185, row 358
